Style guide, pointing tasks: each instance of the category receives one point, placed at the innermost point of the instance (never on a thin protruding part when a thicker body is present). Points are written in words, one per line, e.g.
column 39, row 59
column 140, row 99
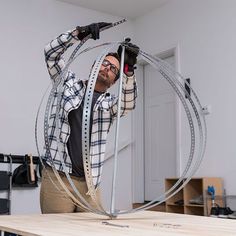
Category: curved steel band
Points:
column 191, row 106
column 58, row 87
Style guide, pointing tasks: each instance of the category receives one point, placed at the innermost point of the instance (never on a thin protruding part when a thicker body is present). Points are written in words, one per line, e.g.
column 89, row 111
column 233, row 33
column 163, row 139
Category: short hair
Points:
column 114, row 54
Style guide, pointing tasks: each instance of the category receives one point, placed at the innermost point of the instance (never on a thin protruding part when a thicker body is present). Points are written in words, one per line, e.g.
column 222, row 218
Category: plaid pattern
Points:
column 104, row 111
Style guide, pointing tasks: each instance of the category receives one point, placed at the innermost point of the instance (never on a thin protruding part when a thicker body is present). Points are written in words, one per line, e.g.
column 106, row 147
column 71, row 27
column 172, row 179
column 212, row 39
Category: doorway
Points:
column 155, row 132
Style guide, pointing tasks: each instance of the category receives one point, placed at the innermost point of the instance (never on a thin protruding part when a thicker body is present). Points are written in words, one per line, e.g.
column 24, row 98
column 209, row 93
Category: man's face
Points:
column 108, row 71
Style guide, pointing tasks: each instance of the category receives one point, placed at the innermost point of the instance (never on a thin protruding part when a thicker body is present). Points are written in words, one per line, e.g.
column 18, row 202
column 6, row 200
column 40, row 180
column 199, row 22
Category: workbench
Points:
column 137, row 224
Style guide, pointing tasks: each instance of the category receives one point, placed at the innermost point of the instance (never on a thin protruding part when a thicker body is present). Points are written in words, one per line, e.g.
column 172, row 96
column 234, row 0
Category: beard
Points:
column 103, row 78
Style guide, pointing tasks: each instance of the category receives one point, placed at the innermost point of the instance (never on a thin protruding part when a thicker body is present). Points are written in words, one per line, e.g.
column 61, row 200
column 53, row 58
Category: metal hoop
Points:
column 192, row 105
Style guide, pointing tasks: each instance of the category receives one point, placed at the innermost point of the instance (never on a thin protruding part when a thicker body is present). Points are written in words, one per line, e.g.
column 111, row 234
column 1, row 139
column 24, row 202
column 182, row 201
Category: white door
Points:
column 159, row 131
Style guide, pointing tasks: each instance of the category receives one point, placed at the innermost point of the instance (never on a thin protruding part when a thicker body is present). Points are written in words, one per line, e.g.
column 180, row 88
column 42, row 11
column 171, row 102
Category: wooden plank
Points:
column 142, row 223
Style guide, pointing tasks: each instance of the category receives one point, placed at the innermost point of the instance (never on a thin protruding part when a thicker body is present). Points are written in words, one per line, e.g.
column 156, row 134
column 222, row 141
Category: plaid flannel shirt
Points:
column 104, row 111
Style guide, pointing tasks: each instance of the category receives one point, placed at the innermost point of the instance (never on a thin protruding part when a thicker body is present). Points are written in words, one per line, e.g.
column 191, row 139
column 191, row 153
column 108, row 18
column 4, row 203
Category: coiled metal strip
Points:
column 164, row 69
column 59, row 81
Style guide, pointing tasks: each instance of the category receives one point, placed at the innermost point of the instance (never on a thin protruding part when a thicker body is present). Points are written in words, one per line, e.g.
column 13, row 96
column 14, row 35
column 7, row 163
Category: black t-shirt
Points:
column 74, row 143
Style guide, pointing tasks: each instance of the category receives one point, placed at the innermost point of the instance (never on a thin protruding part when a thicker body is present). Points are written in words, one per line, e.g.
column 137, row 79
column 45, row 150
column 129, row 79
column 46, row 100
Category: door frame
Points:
column 138, row 170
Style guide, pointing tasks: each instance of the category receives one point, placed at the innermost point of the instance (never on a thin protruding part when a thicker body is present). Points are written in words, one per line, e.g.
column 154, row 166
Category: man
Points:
column 53, row 199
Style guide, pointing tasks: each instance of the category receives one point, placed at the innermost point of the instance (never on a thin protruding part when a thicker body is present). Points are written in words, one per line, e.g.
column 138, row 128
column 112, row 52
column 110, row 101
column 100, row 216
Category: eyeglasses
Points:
column 113, row 68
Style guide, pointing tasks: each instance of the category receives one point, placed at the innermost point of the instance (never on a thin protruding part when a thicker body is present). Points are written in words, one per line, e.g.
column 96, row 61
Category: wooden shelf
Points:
column 193, row 205
column 193, row 189
column 173, row 204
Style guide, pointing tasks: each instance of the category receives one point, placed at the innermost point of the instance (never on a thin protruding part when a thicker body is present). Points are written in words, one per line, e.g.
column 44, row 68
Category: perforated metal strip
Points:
column 171, row 76
column 55, row 87
column 86, row 124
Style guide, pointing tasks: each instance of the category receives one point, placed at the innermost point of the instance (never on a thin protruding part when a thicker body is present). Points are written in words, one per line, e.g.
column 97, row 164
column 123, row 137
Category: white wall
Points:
column 204, row 31
column 26, row 26
column 205, row 34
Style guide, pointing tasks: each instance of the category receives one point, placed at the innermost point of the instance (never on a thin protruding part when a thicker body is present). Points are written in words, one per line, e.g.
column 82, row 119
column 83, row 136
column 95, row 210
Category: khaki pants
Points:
column 55, row 199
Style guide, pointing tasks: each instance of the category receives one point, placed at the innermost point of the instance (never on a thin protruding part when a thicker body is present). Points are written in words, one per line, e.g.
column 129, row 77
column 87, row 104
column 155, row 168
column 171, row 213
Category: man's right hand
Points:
column 93, row 29
column 130, row 58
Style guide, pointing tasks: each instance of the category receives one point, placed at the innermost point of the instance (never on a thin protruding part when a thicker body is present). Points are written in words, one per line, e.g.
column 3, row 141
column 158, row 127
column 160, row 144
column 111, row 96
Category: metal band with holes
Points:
column 86, row 123
column 192, row 105
column 55, row 87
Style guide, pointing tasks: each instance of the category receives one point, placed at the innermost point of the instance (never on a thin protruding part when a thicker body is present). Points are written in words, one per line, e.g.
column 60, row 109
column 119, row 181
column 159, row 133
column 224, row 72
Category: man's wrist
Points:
column 128, row 70
column 75, row 32
column 129, row 73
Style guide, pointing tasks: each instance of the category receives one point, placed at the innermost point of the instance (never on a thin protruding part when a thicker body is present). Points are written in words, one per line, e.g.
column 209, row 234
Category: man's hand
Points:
column 131, row 53
column 94, row 29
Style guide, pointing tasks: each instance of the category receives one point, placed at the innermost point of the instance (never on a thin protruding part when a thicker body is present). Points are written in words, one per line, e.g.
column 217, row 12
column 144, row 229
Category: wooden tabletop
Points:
column 138, row 224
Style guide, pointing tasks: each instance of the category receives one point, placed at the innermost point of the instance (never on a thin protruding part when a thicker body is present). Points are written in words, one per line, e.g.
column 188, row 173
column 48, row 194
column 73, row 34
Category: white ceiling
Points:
column 125, row 8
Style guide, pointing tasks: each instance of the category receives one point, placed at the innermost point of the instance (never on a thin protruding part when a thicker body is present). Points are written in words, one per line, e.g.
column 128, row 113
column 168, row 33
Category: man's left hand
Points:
column 93, row 29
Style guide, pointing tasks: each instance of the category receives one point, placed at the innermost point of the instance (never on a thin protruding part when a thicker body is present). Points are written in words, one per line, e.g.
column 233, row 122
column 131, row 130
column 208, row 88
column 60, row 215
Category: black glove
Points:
column 93, row 29
column 130, row 59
